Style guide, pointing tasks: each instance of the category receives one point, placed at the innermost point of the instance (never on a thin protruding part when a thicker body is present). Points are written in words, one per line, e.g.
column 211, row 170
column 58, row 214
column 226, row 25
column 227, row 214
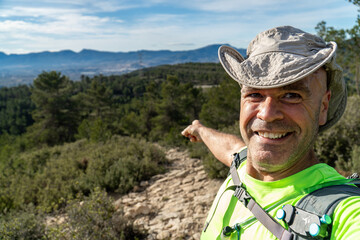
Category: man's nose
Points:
column 269, row 110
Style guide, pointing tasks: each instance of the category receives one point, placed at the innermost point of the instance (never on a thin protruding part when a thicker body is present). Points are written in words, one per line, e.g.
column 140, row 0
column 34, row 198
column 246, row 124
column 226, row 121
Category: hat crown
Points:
column 285, row 39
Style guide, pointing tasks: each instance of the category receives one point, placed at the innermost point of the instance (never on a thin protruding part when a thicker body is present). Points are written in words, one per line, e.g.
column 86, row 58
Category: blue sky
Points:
column 130, row 25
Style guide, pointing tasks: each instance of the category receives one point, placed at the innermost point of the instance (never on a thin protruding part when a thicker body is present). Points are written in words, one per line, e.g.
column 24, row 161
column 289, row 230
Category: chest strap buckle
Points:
column 241, row 194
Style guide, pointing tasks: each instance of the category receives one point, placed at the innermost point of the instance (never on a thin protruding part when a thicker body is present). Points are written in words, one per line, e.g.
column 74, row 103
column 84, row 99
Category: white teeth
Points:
column 271, row 135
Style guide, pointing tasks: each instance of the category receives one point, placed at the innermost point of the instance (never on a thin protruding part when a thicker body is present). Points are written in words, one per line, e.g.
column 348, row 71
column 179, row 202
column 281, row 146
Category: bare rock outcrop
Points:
column 173, row 205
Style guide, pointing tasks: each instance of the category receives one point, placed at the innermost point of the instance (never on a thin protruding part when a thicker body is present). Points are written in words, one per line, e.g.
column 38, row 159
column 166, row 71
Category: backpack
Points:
column 309, row 219
column 320, row 203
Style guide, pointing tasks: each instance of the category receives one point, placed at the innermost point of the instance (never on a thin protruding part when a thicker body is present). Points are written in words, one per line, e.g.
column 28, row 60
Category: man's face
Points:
column 279, row 125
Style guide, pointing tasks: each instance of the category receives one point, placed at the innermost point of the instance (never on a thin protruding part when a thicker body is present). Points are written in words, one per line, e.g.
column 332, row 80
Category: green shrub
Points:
column 94, row 218
column 122, row 163
column 355, row 157
column 335, row 145
column 95, row 130
column 49, row 177
column 22, row 225
column 214, row 168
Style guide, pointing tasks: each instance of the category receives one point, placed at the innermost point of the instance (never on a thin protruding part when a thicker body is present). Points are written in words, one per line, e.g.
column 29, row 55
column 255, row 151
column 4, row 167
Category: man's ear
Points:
column 324, row 108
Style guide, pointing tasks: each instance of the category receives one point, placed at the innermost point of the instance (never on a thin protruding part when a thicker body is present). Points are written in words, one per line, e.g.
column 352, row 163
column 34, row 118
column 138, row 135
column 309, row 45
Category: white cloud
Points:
column 249, row 7
column 222, row 6
column 48, row 8
column 114, row 25
column 60, row 25
column 51, row 20
column 162, row 18
column 34, row 12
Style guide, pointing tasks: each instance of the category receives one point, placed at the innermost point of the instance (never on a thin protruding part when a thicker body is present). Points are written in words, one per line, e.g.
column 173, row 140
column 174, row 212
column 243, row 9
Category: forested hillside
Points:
column 63, row 142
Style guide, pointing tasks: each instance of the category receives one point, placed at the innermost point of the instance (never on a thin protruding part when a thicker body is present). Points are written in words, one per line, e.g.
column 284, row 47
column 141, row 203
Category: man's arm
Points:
column 222, row 145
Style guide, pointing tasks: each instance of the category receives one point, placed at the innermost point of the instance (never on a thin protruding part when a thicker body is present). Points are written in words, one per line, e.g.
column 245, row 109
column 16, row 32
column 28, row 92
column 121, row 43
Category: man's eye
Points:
column 293, row 97
column 254, row 95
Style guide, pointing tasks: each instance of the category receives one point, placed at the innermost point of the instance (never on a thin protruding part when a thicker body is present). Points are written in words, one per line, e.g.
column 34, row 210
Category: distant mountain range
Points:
column 18, row 69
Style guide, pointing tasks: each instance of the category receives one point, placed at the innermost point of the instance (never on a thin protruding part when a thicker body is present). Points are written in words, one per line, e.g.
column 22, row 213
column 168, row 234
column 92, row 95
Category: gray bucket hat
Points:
column 284, row 55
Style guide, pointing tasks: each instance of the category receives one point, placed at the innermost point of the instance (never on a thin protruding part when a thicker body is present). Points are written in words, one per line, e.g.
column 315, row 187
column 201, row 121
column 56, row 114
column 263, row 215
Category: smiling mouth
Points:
column 271, row 135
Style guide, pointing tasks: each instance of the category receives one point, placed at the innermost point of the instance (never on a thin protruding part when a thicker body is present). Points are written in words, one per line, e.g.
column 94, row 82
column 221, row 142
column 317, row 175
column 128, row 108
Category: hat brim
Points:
column 277, row 69
column 272, row 69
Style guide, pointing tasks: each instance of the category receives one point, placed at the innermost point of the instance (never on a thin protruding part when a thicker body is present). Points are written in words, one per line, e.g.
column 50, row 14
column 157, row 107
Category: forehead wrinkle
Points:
column 296, row 86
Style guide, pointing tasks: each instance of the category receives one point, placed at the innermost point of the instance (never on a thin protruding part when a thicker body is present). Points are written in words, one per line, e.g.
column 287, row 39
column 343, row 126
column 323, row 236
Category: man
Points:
column 291, row 89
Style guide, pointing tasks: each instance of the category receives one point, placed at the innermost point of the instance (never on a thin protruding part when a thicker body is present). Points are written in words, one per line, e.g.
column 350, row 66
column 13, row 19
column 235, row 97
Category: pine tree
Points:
column 56, row 115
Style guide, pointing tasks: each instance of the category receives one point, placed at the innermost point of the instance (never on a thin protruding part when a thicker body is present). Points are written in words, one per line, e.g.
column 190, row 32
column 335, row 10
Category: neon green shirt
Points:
column 228, row 210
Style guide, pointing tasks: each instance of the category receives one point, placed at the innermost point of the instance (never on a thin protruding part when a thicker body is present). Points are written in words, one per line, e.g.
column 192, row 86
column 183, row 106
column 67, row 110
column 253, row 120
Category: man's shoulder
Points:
column 346, row 219
column 326, row 199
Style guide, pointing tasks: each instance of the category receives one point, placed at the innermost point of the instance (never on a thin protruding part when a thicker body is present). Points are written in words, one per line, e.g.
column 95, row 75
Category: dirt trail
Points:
column 175, row 204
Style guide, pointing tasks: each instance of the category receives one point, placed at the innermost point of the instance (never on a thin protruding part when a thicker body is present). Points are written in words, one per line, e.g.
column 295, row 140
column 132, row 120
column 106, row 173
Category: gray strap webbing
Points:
column 269, row 222
column 261, row 215
column 238, row 159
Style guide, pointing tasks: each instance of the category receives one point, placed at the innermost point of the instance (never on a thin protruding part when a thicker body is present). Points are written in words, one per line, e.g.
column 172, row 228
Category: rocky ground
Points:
column 175, row 204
